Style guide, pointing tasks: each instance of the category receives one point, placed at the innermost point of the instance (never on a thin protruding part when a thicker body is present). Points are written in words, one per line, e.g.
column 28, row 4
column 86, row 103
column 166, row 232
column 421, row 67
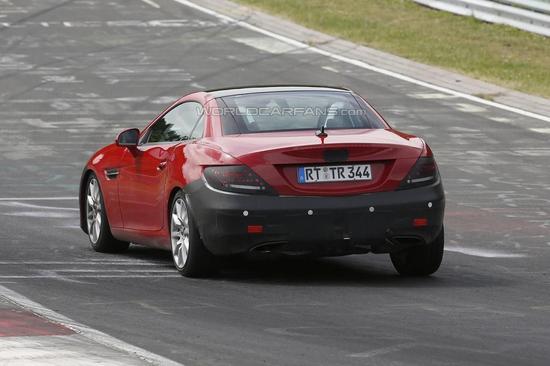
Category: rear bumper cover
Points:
column 377, row 222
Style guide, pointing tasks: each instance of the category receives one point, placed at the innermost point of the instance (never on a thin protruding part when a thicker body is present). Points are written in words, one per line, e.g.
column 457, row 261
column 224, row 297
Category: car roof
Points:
column 219, row 93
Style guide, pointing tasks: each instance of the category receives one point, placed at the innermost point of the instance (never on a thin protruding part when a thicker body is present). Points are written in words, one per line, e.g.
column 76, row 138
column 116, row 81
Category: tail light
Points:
column 236, row 179
column 423, row 173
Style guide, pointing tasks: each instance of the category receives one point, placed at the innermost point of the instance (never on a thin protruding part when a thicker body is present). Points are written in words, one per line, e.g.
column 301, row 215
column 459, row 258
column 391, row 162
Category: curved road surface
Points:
column 74, row 73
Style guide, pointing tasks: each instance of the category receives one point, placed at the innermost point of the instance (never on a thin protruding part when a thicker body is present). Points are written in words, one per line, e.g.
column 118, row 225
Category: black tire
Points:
column 199, row 262
column 421, row 260
column 104, row 242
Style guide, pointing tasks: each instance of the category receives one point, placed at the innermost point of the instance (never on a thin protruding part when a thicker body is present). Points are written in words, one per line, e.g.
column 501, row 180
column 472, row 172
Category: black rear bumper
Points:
column 377, row 222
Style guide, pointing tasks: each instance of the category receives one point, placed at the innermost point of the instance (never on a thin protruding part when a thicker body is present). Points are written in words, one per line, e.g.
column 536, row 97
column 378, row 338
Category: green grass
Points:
column 495, row 53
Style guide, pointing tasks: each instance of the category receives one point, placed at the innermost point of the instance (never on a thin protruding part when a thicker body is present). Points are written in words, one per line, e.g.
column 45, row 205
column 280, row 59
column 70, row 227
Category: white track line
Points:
column 38, row 198
column 90, row 333
column 483, row 253
column 362, row 64
column 152, row 3
column 68, row 276
column 38, row 207
column 83, row 263
column 106, row 270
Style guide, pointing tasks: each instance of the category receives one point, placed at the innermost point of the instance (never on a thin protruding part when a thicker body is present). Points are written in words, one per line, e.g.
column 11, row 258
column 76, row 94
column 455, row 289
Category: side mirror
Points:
column 128, row 138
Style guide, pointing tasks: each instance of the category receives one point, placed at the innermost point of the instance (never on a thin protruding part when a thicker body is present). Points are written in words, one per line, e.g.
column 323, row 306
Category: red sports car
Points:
column 289, row 170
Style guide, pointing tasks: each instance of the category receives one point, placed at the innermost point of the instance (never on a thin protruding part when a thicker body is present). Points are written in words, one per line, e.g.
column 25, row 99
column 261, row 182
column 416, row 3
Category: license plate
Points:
column 334, row 173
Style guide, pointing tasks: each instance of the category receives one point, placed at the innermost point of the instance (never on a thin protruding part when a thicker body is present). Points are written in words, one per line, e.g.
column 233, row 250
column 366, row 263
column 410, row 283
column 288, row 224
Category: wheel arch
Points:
column 173, row 192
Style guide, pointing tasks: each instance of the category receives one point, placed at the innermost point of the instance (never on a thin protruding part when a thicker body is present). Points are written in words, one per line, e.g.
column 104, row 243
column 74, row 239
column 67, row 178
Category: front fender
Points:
column 108, row 157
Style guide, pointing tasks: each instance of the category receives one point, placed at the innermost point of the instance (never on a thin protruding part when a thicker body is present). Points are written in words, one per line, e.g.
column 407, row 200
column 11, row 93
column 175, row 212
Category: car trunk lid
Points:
column 278, row 156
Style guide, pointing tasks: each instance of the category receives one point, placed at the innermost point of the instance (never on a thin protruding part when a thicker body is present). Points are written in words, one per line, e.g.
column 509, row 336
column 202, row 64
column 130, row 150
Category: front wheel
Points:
column 422, row 260
column 190, row 256
column 99, row 231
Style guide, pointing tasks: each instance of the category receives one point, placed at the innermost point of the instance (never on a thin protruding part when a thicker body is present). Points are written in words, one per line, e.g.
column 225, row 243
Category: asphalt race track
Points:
column 74, row 73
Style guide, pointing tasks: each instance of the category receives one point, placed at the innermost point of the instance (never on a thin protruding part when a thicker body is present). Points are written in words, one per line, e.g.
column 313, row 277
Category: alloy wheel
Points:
column 179, row 232
column 94, row 210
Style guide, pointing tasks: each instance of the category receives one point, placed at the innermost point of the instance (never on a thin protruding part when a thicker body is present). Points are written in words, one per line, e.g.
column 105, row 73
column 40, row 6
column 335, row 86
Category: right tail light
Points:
column 423, row 173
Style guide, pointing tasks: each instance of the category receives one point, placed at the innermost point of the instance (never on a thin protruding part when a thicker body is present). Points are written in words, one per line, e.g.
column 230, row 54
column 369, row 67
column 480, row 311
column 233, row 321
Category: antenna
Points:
column 321, row 133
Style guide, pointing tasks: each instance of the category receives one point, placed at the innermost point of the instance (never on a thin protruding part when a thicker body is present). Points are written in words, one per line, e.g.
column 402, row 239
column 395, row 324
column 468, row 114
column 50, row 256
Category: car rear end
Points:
column 361, row 188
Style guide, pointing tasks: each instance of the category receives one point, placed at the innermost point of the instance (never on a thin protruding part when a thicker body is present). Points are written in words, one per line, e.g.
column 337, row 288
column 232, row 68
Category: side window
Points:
column 177, row 124
column 198, row 130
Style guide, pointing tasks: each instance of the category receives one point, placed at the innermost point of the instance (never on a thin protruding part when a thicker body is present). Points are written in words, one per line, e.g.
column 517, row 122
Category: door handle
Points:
column 162, row 165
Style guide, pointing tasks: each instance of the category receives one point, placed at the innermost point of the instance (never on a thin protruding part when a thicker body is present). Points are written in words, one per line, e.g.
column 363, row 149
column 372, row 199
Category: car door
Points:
column 143, row 175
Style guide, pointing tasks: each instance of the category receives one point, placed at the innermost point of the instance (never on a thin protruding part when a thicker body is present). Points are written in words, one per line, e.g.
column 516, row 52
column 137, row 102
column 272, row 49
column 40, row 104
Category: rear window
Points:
column 294, row 110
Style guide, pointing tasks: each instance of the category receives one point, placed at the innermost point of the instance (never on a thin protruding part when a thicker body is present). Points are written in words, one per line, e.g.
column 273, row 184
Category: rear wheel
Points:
column 422, row 260
column 99, row 231
column 190, row 256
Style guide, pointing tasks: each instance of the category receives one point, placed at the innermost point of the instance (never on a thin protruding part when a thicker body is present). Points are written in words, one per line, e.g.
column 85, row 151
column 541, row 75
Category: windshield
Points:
column 289, row 111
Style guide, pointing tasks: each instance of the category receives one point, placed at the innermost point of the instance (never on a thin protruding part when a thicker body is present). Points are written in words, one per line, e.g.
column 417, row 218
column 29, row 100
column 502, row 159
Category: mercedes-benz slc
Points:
column 278, row 170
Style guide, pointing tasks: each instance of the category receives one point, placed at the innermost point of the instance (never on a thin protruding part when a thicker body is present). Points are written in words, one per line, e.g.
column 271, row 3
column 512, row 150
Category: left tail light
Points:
column 423, row 173
column 236, row 179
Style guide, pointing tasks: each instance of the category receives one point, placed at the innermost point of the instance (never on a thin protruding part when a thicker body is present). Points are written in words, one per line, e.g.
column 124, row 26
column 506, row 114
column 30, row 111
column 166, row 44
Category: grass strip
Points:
column 496, row 53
